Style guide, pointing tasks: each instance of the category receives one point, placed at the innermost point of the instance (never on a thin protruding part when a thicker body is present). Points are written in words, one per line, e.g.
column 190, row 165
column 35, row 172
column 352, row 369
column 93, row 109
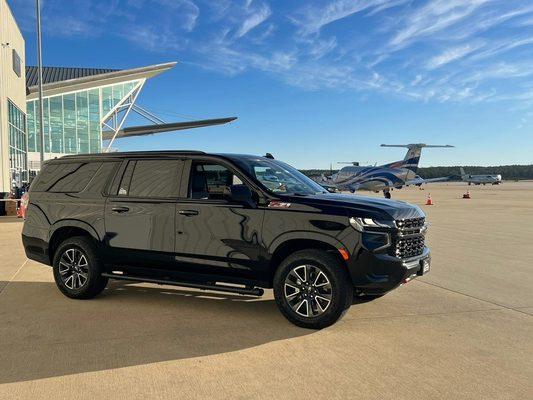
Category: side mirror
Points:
column 240, row 194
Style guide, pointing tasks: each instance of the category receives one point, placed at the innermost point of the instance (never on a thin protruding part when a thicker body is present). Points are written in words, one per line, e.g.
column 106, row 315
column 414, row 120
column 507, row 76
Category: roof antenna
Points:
column 268, row 155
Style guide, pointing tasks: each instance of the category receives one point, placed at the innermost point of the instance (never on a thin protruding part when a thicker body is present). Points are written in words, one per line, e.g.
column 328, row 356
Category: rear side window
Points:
column 151, row 178
column 65, row 177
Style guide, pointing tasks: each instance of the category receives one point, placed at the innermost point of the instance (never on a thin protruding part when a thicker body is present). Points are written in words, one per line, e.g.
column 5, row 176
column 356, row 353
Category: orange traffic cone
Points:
column 466, row 195
column 429, row 201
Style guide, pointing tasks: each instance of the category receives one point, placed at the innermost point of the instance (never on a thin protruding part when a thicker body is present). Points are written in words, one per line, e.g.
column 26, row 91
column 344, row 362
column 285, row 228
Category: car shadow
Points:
column 45, row 334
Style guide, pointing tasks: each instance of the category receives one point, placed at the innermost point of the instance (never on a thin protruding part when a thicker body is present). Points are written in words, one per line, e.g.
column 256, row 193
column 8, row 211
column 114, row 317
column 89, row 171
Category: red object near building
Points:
column 24, row 201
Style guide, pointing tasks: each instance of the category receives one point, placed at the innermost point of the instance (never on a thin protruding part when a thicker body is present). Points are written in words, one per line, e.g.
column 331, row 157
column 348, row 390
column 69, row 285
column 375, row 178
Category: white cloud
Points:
column 185, row 12
column 500, row 71
column 256, row 18
column 319, row 48
column 501, row 46
column 312, row 18
column 452, row 54
column 526, row 22
column 416, row 80
column 484, row 21
column 154, row 39
column 425, row 50
column 434, row 17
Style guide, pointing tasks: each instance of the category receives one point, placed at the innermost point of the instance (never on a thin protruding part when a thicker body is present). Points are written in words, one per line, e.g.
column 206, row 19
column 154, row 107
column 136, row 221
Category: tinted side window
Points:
column 152, row 178
column 124, row 186
column 65, row 177
column 208, row 181
column 101, row 178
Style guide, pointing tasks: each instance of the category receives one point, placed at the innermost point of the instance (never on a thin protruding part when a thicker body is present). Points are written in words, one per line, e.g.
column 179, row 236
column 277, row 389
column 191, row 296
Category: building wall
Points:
column 71, row 123
column 73, row 120
column 12, row 87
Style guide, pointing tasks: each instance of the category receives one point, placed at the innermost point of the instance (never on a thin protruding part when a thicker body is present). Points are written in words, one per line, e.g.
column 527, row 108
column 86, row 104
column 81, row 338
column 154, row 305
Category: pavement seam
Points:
column 477, row 298
column 13, row 277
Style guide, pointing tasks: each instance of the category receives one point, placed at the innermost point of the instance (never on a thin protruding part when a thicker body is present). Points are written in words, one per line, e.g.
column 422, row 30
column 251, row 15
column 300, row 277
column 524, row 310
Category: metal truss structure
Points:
column 115, row 118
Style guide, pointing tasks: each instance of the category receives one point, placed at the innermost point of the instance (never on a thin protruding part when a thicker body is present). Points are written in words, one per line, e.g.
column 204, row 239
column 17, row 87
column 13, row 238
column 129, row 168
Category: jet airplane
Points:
column 480, row 179
column 383, row 177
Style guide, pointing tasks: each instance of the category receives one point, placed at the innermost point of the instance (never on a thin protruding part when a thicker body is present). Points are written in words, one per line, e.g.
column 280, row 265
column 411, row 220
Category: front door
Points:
column 213, row 234
column 140, row 215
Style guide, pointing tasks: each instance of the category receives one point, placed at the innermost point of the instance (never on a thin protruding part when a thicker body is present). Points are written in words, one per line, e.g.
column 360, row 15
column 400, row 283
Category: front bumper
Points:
column 379, row 273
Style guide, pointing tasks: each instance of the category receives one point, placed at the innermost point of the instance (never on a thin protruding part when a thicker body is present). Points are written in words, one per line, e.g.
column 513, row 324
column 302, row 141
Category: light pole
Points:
column 40, row 75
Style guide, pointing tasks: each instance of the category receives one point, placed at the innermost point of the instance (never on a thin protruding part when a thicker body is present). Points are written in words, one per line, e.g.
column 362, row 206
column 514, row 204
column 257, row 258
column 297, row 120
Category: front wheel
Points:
column 77, row 269
column 312, row 289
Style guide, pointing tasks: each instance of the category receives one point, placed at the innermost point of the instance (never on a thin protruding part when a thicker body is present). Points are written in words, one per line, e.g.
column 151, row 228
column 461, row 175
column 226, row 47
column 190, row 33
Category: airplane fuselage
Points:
column 482, row 179
column 380, row 178
column 371, row 178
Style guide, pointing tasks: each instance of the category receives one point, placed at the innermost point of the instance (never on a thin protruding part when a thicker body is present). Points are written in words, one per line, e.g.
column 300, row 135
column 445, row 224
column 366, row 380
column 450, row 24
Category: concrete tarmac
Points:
column 465, row 331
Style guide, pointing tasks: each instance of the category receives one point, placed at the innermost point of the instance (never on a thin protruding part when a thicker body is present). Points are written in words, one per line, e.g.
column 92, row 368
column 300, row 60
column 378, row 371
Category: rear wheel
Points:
column 312, row 289
column 77, row 269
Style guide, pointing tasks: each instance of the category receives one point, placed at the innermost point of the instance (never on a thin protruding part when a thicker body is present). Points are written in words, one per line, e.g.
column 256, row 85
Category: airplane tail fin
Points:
column 462, row 171
column 412, row 157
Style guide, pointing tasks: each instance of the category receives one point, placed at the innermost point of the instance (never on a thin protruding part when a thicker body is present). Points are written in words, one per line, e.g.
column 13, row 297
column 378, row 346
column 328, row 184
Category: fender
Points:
column 318, row 236
column 74, row 223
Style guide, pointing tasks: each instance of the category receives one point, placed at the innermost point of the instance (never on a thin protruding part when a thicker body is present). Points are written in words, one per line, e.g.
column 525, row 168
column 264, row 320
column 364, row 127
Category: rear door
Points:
column 140, row 212
column 214, row 235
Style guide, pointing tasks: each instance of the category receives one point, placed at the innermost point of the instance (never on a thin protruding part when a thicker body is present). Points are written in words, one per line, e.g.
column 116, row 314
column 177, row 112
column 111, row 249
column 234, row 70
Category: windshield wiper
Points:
column 305, row 194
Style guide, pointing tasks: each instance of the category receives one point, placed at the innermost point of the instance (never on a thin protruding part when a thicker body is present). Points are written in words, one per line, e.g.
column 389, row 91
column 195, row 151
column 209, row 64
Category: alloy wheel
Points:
column 308, row 290
column 74, row 268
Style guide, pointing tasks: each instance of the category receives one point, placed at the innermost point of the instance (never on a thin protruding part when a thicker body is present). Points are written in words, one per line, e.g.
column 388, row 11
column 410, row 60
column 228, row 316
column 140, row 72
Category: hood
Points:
column 363, row 206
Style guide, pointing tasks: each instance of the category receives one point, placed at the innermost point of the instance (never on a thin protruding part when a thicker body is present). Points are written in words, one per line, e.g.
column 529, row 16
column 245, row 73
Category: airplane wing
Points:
column 420, row 181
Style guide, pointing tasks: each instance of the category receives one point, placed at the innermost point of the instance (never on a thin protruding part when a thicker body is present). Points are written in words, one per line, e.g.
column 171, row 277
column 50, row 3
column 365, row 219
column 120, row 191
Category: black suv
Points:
column 224, row 222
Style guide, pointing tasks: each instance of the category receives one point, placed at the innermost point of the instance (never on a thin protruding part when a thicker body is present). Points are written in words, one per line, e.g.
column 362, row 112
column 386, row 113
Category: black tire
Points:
column 87, row 281
column 320, row 314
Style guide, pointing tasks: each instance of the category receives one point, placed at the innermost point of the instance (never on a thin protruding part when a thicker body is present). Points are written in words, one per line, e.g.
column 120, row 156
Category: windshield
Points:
column 280, row 178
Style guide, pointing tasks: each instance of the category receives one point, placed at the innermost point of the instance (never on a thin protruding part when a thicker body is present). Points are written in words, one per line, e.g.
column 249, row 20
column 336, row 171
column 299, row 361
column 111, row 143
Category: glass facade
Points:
column 17, row 142
column 73, row 121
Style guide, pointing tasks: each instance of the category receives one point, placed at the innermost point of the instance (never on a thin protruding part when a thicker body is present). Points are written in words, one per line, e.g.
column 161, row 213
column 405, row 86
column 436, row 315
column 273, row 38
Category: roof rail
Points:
column 132, row 153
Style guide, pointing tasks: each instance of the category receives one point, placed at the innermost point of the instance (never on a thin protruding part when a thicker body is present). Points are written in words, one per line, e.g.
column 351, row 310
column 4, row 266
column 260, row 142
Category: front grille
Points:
column 410, row 223
column 409, row 247
column 409, row 240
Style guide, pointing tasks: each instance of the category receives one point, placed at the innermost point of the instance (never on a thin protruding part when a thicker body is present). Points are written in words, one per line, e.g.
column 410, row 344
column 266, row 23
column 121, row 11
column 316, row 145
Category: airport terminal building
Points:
column 79, row 104
column 83, row 108
column 12, row 99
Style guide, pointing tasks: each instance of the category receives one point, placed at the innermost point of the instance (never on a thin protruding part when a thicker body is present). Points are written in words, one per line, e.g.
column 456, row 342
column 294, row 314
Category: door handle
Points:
column 120, row 209
column 188, row 212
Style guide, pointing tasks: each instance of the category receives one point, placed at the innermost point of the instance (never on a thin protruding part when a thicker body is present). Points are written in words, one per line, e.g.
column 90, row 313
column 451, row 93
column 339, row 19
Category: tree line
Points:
column 508, row 172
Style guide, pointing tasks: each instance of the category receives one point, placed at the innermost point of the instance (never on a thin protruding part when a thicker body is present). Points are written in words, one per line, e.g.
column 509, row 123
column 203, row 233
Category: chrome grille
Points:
column 410, row 223
column 409, row 240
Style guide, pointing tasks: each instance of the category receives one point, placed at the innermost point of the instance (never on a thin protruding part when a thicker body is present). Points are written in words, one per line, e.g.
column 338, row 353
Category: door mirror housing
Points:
column 240, row 194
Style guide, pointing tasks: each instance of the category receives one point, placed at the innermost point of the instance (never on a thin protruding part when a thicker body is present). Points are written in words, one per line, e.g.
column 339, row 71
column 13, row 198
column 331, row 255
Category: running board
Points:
column 214, row 287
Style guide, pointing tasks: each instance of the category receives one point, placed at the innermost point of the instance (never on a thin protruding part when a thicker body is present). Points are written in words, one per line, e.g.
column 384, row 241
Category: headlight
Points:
column 361, row 223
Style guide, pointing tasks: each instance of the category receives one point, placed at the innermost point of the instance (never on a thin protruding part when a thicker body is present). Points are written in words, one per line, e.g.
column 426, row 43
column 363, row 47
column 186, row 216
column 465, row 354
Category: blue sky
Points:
column 315, row 82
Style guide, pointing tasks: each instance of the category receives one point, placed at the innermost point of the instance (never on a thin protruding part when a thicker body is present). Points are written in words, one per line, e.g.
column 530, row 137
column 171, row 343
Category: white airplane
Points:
column 480, row 179
column 383, row 177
